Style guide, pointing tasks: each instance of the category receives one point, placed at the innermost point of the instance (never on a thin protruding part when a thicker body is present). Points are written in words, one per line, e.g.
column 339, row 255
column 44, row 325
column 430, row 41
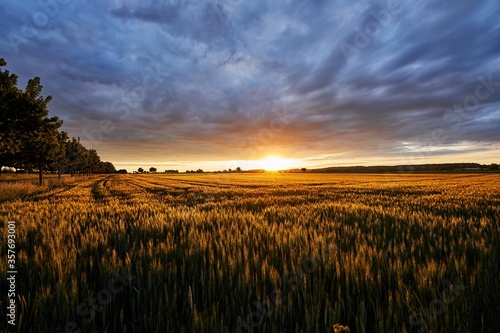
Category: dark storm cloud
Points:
column 207, row 77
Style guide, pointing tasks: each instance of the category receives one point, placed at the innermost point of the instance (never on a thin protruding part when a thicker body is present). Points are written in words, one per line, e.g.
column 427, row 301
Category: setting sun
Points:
column 274, row 163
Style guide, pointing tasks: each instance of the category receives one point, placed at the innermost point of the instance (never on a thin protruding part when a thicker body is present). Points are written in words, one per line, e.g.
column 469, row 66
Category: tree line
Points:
column 30, row 139
column 440, row 167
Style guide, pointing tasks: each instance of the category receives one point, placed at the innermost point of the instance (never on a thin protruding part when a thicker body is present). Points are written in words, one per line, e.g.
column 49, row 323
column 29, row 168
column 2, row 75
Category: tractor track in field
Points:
column 52, row 193
column 162, row 185
column 99, row 191
column 159, row 191
column 204, row 183
column 208, row 184
column 42, row 195
column 169, row 194
column 114, row 192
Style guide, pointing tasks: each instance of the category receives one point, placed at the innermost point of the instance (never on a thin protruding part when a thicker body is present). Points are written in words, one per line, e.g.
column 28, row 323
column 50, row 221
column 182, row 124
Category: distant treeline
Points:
column 30, row 140
column 411, row 168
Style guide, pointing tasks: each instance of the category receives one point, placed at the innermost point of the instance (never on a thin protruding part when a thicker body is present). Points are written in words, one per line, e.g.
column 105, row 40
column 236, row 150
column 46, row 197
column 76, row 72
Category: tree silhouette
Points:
column 76, row 156
column 108, row 167
column 10, row 133
column 60, row 160
column 93, row 161
column 30, row 139
column 40, row 142
column 140, row 170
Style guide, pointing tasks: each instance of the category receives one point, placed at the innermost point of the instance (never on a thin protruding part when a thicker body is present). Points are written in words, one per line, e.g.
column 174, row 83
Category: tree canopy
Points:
column 30, row 139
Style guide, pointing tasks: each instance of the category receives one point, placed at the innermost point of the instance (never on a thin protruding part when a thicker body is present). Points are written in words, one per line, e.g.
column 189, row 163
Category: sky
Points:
column 216, row 84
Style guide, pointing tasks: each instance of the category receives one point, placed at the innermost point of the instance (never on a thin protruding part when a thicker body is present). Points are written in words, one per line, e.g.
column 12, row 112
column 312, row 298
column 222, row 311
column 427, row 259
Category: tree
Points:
column 303, row 169
column 152, row 170
column 494, row 166
column 93, row 161
column 76, row 156
column 28, row 137
column 238, row 169
column 107, row 167
column 140, row 170
column 41, row 144
column 10, row 134
column 60, row 160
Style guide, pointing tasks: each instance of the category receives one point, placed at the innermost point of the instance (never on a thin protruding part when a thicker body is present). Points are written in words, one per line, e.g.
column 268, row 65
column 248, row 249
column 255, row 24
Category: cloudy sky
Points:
column 182, row 84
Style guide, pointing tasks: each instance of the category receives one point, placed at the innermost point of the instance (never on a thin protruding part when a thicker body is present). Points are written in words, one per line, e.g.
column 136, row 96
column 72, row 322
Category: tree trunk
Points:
column 40, row 173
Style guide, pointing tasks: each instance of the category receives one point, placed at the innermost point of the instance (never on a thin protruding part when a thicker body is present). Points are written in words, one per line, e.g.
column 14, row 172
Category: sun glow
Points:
column 274, row 163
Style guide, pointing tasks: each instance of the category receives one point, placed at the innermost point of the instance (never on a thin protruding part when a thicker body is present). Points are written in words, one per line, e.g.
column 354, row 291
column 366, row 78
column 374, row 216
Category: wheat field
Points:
column 266, row 252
